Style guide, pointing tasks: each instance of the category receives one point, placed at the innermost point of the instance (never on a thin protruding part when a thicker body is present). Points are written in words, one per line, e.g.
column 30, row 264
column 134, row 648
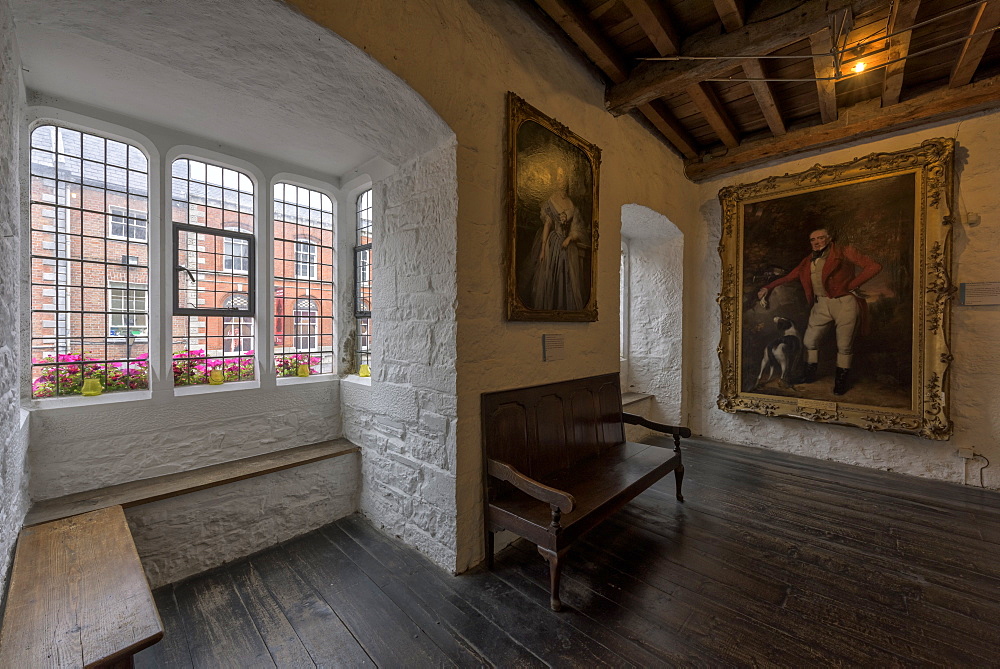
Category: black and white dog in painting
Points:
column 781, row 355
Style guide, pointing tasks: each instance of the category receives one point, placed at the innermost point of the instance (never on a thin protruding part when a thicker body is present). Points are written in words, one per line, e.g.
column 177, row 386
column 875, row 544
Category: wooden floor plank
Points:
column 489, row 640
column 400, row 593
column 221, row 632
column 326, row 638
column 277, row 633
column 172, row 651
column 385, row 632
column 773, row 560
column 639, row 641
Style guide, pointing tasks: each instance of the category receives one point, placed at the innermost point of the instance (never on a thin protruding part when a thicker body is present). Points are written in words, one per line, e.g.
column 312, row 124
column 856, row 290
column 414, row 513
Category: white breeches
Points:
column 842, row 312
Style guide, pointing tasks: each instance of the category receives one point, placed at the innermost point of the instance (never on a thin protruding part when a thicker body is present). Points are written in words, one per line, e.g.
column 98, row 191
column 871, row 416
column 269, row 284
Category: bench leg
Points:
column 679, row 476
column 555, row 569
column 489, row 549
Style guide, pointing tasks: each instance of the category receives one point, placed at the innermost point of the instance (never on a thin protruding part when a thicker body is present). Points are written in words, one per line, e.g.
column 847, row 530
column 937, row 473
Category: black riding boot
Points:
column 840, row 381
column 809, row 375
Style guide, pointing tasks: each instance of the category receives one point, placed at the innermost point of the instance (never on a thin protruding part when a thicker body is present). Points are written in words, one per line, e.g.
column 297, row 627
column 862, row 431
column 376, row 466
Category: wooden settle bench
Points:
column 556, row 463
column 78, row 596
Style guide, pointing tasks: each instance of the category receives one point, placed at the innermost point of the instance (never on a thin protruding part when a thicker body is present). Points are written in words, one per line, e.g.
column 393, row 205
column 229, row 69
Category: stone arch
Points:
column 656, row 289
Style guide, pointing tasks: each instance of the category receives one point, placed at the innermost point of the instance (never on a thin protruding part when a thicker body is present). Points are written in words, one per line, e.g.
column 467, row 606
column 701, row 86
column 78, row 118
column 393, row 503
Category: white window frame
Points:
column 305, row 259
column 230, row 257
column 128, row 220
column 133, row 292
column 305, row 324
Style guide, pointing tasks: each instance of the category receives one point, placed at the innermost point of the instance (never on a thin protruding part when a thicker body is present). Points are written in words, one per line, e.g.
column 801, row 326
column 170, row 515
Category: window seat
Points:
column 143, row 491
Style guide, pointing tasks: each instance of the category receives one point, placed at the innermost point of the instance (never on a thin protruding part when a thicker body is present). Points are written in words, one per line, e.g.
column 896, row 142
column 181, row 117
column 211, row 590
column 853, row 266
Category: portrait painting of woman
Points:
column 553, row 220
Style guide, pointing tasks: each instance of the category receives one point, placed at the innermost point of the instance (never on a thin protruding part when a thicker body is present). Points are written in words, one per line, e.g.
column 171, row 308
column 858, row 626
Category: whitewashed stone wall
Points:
column 87, row 447
column 186, row 535
column 656, row 282
column 407, row 432
column 975, row 336
column 13, row 427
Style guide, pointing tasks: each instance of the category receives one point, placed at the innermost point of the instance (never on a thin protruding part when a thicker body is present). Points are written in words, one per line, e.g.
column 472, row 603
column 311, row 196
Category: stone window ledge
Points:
column 80, row 401
column 356, row 380
column 631, row 398
column 312, row 378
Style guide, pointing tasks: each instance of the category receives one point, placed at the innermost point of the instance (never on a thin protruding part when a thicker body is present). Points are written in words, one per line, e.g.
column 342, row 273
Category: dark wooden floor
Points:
column 773, row 560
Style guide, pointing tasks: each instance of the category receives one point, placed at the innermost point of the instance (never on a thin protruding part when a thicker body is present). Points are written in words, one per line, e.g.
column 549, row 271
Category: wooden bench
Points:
column 557, row 464
column 78, row 596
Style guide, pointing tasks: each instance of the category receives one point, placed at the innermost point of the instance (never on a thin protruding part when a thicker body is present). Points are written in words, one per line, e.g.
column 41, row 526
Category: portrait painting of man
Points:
column 835, row 292
column 828, row 276
column 553, row 223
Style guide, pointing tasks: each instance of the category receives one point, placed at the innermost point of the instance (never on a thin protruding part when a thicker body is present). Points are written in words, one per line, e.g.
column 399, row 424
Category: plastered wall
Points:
column 13, row 423
column 975, row 372
column 655, row 313
column 462, row 56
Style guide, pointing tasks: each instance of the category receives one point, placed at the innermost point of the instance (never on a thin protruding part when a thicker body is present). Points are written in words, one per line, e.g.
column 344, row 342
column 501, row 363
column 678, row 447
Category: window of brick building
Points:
column 88, row 263
column 363, row 279
column 214, row 267
column 304, row 287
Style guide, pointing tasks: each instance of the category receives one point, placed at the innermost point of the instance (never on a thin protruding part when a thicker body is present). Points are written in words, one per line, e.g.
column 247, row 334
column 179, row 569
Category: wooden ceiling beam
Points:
column 904, row 13
column 987, row 17
column 863, row 120
column 651, row 15
column 753, row 68
column 731, row 13
column 654, row 79
column 657, row 113
column 711, row 108
column 588, row 37
column 823, row 65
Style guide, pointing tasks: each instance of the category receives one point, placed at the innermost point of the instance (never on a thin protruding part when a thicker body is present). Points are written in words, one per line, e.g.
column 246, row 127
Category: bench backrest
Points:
column 541, row 429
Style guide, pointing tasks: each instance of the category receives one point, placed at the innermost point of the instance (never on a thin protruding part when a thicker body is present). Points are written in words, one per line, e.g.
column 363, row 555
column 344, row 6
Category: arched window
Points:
column 363, row 278
column 214, row 229
column 303, row 266
column 89, row 261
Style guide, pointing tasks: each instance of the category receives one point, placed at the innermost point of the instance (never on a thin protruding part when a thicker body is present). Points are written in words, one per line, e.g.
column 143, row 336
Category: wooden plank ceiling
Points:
column 758, row 80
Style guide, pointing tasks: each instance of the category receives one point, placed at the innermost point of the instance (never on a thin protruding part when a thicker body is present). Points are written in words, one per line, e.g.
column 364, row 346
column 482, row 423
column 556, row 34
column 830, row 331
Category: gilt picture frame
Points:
column 836, row 292
column 552, row 218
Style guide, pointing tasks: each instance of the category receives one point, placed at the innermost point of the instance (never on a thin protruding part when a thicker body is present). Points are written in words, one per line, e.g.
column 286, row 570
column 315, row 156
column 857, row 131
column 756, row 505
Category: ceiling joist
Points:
column 987, row 17
column 652, row 18
column 602, row 53
column 753, row 68
column 825, row 68
column 708, row 104
column 904, row 14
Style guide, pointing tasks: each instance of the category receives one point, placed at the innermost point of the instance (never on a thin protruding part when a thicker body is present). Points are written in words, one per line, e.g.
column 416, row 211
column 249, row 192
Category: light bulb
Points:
column 859, row 68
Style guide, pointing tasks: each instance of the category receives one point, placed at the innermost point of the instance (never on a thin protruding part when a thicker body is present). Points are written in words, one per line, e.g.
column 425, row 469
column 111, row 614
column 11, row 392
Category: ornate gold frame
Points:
column 928, row 416
column 519, row 112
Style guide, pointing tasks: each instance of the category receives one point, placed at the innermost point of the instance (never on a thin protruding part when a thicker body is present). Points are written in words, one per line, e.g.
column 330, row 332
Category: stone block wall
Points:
column 13, row 427
column 405, row 422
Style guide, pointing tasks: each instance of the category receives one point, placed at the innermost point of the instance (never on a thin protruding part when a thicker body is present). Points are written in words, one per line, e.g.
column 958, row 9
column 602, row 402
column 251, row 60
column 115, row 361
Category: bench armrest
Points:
column 675, row 430
column 553, row 496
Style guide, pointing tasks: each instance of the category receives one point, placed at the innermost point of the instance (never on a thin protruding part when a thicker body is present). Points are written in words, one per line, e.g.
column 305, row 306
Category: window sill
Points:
column 228, row 386
column 356, row 380
column 80, row 401
column 312, row 378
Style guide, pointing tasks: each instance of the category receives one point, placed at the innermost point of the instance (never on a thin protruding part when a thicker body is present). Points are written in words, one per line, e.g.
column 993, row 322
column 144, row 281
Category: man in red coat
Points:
column 829, row 276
